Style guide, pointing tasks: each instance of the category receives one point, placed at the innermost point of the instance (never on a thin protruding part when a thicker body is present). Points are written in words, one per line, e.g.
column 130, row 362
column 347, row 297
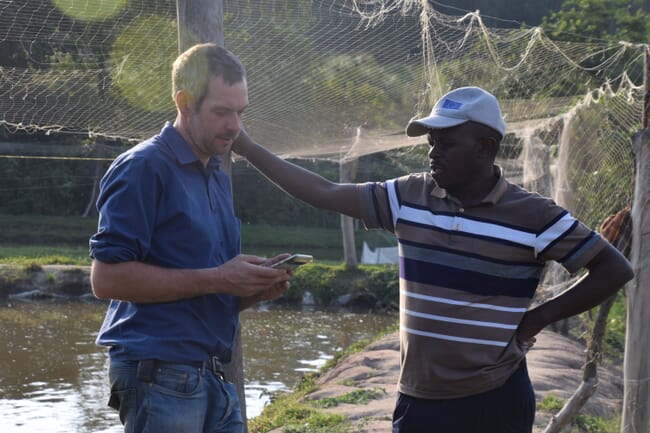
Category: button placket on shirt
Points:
column 457, row 225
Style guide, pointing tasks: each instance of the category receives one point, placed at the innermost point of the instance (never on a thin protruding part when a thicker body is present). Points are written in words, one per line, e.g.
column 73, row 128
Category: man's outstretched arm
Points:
column 345, row 198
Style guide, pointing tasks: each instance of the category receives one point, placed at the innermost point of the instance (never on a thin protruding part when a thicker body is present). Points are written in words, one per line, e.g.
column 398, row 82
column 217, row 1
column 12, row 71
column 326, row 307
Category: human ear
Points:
column 183, row 101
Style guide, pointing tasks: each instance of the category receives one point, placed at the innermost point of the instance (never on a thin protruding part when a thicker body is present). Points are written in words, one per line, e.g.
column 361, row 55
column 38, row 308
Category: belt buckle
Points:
column 217, row 367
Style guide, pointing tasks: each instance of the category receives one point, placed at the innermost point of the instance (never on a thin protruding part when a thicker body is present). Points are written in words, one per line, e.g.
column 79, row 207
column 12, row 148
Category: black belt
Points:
column 147, row 367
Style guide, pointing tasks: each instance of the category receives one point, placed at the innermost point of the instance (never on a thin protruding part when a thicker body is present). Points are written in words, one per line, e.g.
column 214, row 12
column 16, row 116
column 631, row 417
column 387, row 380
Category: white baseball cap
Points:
column 459, row 106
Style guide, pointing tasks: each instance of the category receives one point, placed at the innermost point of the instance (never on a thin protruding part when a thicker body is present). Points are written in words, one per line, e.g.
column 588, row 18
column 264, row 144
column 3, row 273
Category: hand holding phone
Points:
column 293, row 261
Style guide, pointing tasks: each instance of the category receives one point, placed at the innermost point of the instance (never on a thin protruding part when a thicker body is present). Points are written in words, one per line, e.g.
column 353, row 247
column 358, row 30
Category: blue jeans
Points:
column 173, row 398
column 507, row 409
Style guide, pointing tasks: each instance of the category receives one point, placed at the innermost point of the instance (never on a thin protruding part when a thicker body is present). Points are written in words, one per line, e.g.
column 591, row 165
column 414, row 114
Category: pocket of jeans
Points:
column 401, row 408
column 124, row 401
column 121, row 377
column 177, row 381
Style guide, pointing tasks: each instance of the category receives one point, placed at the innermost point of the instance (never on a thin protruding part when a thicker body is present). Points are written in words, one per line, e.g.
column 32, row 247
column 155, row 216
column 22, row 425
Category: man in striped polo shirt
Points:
column 472, row 248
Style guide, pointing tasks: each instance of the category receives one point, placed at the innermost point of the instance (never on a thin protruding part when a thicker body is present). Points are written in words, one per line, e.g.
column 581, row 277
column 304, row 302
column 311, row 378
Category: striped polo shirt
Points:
column 467, row 276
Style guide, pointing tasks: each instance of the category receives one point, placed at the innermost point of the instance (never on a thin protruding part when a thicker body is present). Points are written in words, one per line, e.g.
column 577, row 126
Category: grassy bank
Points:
column 29, row 240
column 295, row 414
column 64, row 240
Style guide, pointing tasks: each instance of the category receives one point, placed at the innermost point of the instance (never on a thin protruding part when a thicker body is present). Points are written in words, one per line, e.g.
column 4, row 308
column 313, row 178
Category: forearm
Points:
column 244, row 276
column 608, row 272
column 143, row 283
column 301, row 183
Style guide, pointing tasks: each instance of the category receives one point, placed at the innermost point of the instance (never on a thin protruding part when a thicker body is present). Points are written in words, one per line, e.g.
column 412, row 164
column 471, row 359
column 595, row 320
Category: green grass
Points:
column 64, row 240
column 24, row 255
column 583, row 423
column 325, row 244
column 45, row 240
column 359, row 396
column 296, row 414
column 39, row 230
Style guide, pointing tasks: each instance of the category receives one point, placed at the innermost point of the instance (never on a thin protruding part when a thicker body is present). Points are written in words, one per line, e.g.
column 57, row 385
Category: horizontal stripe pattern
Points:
column 459, row 321
column 466, row 279
column 485, row 265
column 467, row 276
column 466, row 225
column 463, row 303
column 450, row 338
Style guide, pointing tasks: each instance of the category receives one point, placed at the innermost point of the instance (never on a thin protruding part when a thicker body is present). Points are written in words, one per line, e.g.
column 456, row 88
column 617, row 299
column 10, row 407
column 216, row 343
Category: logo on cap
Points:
column 452, row 105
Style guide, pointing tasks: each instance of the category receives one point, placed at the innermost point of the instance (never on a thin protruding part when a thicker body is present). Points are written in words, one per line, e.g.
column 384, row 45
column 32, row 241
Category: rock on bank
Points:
column 44, row 282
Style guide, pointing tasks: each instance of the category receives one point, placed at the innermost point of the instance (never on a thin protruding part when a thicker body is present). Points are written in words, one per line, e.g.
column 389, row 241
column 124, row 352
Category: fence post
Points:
column 636, row 369
column 202, row 21
column 646, row 82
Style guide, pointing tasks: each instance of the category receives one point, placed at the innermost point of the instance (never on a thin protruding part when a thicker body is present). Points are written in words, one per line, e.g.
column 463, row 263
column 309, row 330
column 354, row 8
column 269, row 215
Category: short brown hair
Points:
column 193, row 68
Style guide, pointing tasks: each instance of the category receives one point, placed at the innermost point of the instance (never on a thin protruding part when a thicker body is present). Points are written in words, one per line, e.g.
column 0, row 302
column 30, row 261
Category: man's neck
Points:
column 179, row 125
column 475, row 192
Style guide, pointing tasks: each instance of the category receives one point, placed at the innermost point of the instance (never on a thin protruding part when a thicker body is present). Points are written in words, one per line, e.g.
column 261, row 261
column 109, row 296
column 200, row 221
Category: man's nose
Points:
column 234, row 122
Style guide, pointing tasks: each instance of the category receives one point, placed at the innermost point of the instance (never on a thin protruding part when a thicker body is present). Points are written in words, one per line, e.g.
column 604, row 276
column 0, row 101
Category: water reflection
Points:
column 52, row 376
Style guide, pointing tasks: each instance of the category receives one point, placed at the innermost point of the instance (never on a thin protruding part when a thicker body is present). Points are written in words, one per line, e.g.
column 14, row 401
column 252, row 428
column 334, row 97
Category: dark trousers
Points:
column 507, row 409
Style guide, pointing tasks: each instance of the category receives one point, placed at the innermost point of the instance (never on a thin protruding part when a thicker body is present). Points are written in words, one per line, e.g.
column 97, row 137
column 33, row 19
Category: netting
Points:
column 335, row 79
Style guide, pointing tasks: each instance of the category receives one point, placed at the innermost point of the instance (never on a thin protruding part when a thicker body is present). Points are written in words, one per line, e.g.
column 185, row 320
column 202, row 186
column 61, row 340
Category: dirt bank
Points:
column 44, row 282
column 555, row 365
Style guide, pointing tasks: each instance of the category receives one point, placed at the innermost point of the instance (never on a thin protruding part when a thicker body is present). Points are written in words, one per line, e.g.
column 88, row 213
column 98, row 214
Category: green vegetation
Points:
column 33, row 241
column 614, row 339
column 358, row 396
column 297, row 414
column 583, row 423
column 616, row 20
column 25, row 255
column 288, row 411
column 378, row 285
column 45, row 239
column 46, row 230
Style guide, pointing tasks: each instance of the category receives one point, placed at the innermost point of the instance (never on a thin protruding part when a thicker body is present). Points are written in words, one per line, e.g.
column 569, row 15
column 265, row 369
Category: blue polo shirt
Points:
column 159, row 205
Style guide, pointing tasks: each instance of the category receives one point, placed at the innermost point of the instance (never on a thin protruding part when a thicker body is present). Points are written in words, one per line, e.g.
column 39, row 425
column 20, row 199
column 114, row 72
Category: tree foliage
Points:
column 614, row 20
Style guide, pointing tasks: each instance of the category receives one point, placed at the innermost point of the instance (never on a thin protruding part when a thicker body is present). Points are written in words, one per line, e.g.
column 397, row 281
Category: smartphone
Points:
column 293, row 261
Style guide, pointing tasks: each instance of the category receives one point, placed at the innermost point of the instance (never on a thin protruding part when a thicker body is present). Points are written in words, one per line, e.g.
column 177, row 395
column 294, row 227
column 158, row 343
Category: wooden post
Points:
column 636, row 369
column 645, row 121
column 347, row 173
column 202, row 21
column 199, row 21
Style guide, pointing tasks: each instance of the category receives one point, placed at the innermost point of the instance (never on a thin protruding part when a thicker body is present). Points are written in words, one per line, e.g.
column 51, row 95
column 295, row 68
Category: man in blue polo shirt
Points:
column 472, row 248
column 167, row 255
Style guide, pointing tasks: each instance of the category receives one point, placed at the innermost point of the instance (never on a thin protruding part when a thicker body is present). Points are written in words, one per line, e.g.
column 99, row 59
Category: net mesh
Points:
column 337, row 80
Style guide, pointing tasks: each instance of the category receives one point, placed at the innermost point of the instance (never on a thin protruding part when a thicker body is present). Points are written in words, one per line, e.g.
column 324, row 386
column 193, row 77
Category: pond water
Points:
column 53, row 377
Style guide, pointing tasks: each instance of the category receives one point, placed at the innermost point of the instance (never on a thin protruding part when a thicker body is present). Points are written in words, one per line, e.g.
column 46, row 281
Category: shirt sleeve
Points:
column 566, row 240
column 380, row 199
column 127, row 212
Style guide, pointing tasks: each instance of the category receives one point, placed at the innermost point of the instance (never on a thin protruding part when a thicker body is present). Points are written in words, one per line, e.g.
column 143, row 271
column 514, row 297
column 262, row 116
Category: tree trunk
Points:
column 636, row 371
column 617, row 229
column 201, row 21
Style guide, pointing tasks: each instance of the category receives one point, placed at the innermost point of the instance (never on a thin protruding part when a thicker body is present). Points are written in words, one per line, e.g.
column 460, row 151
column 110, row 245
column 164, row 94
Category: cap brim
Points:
column 418, row 127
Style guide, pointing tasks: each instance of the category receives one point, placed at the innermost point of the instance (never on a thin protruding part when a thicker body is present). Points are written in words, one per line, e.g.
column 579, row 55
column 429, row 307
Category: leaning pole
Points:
column 202, row 21
column 636, row 369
